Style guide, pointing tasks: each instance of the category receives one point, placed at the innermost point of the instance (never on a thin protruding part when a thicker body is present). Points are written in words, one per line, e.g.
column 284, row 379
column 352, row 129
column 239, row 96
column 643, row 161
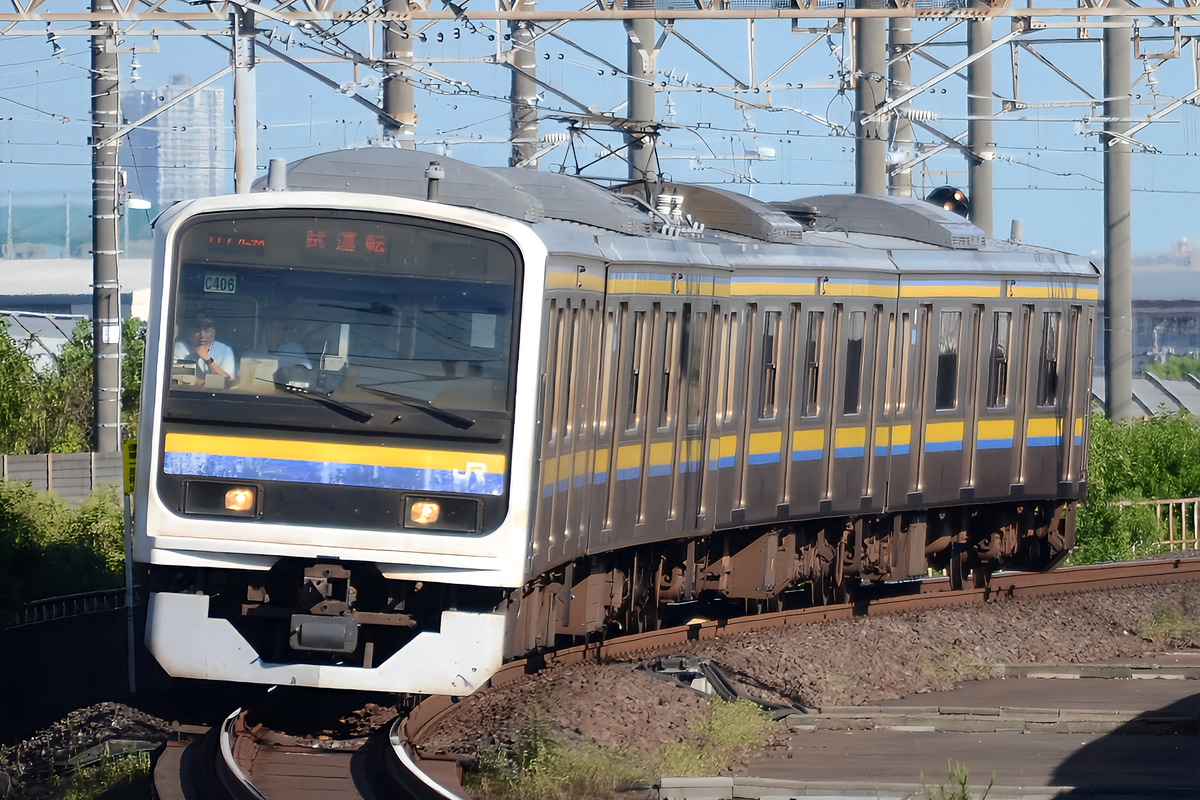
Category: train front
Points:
column 327, row 488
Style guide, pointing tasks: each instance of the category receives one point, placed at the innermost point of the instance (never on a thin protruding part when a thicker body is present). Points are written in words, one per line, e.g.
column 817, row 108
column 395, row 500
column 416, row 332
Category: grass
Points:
column 952, row 665
column 957, row 786
column 541, row 767
column 1168, row 626
column 121, row 777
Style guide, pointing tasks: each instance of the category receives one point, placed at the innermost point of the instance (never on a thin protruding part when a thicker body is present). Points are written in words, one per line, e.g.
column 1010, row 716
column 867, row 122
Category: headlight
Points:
column 224, row 499
column 455, row 514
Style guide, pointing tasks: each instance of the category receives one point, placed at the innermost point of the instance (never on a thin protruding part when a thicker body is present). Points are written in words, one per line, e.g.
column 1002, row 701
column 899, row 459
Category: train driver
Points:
column 213, row 358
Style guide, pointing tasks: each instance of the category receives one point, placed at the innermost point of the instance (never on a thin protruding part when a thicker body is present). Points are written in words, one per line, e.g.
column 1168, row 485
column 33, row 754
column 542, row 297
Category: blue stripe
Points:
column 1043, row 441
column 942, row 447
column 726, row 461
column 995, row 444
column 1078, row 441
column 899, row 449
column 764, row 458
column 600, row 477
column 849, row 452
column 659, row 470
column 629, row 473
column 250, row 468
column 806, row 455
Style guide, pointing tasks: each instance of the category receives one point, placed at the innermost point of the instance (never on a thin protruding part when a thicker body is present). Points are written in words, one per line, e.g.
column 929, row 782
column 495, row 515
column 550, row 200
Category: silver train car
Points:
column 404, row 420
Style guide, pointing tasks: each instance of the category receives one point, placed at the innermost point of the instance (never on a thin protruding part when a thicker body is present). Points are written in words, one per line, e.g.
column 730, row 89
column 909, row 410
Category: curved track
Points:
column 237, row 762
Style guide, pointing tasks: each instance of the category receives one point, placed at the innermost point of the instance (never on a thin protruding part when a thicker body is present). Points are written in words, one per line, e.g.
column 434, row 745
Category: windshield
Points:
column 358, row 312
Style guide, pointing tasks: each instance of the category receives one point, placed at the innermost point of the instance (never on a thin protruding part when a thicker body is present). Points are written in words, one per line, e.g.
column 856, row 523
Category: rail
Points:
column 1182, row 523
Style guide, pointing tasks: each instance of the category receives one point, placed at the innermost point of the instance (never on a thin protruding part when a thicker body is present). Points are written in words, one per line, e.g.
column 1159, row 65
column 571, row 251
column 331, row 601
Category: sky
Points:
column 1048, row 168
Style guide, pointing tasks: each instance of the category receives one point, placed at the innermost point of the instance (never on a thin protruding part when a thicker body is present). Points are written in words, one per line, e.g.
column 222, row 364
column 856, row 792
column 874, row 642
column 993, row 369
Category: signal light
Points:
column 951, row 199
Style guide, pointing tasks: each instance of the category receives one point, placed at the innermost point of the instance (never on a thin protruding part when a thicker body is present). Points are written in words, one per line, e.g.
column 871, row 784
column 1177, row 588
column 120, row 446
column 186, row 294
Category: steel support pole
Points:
column 1118, row 246
column 980, row 137
column 245, row 101
column 524, row 122
column 643, row 161
column 399, row 97
column 900, row 78
column 870, row 58
column 106, row 288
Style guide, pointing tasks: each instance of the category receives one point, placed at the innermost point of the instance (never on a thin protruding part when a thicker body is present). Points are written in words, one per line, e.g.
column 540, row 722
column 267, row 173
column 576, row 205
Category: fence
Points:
column 71, row 475
column 1181, row 528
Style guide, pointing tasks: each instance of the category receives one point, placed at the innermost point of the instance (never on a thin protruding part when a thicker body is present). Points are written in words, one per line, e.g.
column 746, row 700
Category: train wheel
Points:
column 957, row 569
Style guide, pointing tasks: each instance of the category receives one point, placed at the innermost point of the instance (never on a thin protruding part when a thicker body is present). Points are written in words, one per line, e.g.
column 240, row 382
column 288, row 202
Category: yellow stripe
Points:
column 996, row 428
column 949, row 290
column 881, row 436
column 691, row 450
column 770, row 288
column 858, row 289
column 600, row 463
column 660, row 453
column 1040, row 292
column 728, row 446
column 570, row 279
column 1048, row 426
column 808, row 440
column 1087, row 292
column 902, row 434
column 849, row 437
column 1079, row 426
column 944, row 432
column 293, row 450
column 640, row 286
column 629, row 456
column 768, row 442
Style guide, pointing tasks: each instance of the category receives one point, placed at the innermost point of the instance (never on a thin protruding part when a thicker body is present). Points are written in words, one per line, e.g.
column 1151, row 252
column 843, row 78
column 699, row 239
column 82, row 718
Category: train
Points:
column 406, row 418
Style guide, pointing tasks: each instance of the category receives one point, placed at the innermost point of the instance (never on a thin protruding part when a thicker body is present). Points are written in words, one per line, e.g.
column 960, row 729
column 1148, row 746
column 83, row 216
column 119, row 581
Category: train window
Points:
column 669, row 359
column 812, row 363
column 890, row 370
column 769, row 374
column 731, row 376
column 570, row 370
column 855, row 330
column 697, row 366
column 908, row 341
column 607, row 357
column 1047, row 394
column 551, row 366
column 949, row 333
column 636, row 364
column 998, row 364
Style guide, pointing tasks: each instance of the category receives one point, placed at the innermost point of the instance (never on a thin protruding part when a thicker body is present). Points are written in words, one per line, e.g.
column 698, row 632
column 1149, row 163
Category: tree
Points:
column 49, row 410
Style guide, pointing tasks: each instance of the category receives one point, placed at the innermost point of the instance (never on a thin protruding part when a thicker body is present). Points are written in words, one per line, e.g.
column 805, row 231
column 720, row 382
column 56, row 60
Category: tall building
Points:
column 181, row 153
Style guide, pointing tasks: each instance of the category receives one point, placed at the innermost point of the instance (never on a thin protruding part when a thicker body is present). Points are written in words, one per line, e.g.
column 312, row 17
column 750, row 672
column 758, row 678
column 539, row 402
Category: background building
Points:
column 181, row 153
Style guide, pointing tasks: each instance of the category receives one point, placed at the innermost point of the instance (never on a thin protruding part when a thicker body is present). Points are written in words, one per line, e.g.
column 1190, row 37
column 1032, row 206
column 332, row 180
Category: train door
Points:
column 580, row 429
column 994, row 465
column 604, row 435
column 1023, row 361
column 973, row 376
column 853, row 380
column 560, row 329
column 810, row 432
column 1044, row 433
column 1069, row 400
column 715, row 365
column 622, row 504
column 662, row 465
column 942, row 454
column 879, row 424
column 907, row 407
column 920, row 348
column 743, row 413
column 764, row 470
column 723, row 488
column 691, row 430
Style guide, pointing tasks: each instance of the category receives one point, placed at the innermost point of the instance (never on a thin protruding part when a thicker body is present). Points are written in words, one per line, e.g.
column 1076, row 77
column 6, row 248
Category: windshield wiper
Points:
column 457, row 420
column 356, row 414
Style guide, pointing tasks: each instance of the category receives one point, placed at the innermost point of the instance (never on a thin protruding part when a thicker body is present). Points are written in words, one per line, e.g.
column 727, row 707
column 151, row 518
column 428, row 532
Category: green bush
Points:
column 49, row 547
column 1153, row 458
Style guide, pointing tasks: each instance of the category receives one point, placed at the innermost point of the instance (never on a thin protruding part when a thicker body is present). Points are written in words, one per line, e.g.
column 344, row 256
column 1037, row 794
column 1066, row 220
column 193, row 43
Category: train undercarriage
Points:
column 771, row 567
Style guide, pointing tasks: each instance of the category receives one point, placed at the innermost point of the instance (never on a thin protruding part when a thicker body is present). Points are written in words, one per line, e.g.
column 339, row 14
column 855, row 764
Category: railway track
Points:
column 249, row 761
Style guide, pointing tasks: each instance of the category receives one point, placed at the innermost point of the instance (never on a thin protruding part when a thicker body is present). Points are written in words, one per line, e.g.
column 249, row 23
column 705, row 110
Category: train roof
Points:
column 830, row 222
